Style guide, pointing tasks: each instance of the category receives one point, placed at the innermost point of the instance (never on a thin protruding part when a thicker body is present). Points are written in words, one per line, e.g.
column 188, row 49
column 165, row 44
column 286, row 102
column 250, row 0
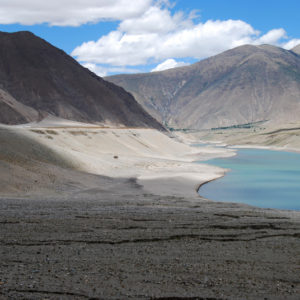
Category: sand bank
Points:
column 283, row 137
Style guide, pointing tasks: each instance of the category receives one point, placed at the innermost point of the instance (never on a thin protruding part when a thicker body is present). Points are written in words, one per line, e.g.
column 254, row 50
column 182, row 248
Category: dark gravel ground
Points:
column 125, row 244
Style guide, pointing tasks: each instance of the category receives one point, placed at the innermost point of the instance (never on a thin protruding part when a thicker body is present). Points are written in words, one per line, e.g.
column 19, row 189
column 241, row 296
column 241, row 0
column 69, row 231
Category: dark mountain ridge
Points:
column 37, row 79
column 243, row 85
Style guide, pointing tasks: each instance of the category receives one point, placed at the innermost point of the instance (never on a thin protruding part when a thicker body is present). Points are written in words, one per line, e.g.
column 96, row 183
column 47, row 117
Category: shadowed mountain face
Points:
column 37, row 79
column 243, row 85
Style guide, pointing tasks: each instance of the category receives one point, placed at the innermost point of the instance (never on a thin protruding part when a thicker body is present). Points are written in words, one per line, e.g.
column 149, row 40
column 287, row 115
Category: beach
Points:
column 151, row 157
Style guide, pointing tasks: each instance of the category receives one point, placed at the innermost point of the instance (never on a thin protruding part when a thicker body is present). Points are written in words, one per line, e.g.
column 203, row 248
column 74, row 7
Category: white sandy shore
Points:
column 274, row 148
column 282, row 137
column 161, row 164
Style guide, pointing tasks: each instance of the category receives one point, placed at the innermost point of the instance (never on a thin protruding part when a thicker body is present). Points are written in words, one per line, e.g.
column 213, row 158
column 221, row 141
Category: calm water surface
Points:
column 263, row 178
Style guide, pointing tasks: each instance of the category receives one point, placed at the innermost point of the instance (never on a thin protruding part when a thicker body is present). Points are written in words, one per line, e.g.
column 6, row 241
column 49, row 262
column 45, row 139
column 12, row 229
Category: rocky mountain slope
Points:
column 37, row 79
column 296, row 49
column 244, row 85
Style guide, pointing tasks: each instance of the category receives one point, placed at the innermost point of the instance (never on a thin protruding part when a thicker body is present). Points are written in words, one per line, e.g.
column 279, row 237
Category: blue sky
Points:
column 123, row 36
column 263, row 15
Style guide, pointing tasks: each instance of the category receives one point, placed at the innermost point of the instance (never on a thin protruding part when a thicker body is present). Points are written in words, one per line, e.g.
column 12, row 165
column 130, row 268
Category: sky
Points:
column 131, row 36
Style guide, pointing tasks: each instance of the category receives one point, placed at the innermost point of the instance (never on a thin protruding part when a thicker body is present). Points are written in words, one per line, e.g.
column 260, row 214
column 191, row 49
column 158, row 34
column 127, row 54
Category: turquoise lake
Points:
column 264, row 178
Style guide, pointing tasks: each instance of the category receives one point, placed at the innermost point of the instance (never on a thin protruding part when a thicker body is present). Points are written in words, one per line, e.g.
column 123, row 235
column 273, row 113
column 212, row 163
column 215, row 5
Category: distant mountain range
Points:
column 37, row 79
column 244, row 85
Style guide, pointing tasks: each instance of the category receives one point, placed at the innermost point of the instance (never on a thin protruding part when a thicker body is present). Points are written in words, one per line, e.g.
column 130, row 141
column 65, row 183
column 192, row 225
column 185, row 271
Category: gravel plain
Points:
column 119, row 242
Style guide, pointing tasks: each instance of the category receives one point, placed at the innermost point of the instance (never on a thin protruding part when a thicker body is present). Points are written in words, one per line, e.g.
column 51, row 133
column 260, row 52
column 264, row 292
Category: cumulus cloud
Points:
column 271, row 37
column 169, row 64
column 157, row 34
column 152, row 34
column 148, row 32
column 155, row 20
column 106, row 70
column 200, row 40
column 69, row 12
column 291, row 44
column 279, row 38
column 99, row 70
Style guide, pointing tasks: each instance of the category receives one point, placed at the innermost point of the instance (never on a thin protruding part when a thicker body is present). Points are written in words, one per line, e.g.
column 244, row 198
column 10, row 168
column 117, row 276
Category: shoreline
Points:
column 271, row 148
column 153, row 158
column 167, row 174
column 160, row 173
column 209, row 182
column 292, row 204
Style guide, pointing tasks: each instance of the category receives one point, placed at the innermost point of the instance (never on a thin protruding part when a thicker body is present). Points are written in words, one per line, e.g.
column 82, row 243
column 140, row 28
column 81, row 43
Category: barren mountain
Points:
column 244, row 85
column 37, row 79
column 296, row 49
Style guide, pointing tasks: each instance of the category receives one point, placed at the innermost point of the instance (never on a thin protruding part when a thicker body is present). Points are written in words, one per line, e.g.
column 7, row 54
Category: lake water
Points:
column 264, row 178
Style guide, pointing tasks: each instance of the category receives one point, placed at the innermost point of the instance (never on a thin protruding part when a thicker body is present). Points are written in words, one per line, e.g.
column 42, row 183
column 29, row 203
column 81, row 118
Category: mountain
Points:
column 37, row 79
column 296, row 49
column 243, row 85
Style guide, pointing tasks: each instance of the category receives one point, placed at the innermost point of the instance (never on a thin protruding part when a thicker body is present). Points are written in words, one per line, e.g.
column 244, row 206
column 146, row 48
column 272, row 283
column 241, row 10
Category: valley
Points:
column 99, row 182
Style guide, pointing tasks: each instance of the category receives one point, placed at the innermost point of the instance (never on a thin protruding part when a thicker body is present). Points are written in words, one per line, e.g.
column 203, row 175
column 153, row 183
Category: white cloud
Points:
column 169, row 64
column 100, row 71
column 291, row 44
column 69, row 12
column 105, row 70
column 185, row 40
column 271, row 37
column 157, row 35
column 148, row 32
column 154, row 20
column 279, row 38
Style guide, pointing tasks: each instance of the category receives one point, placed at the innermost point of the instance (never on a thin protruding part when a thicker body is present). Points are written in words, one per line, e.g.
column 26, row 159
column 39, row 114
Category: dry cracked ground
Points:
column 110, row 243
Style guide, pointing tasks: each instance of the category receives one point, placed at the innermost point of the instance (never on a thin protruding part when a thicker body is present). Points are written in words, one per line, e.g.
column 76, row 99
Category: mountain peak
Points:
column 244, row 85
column 39, row 78
column 19, row 34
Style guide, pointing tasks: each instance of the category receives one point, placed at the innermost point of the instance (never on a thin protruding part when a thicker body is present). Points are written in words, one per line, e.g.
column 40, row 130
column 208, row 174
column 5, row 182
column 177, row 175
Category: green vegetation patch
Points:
column 240, row 126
